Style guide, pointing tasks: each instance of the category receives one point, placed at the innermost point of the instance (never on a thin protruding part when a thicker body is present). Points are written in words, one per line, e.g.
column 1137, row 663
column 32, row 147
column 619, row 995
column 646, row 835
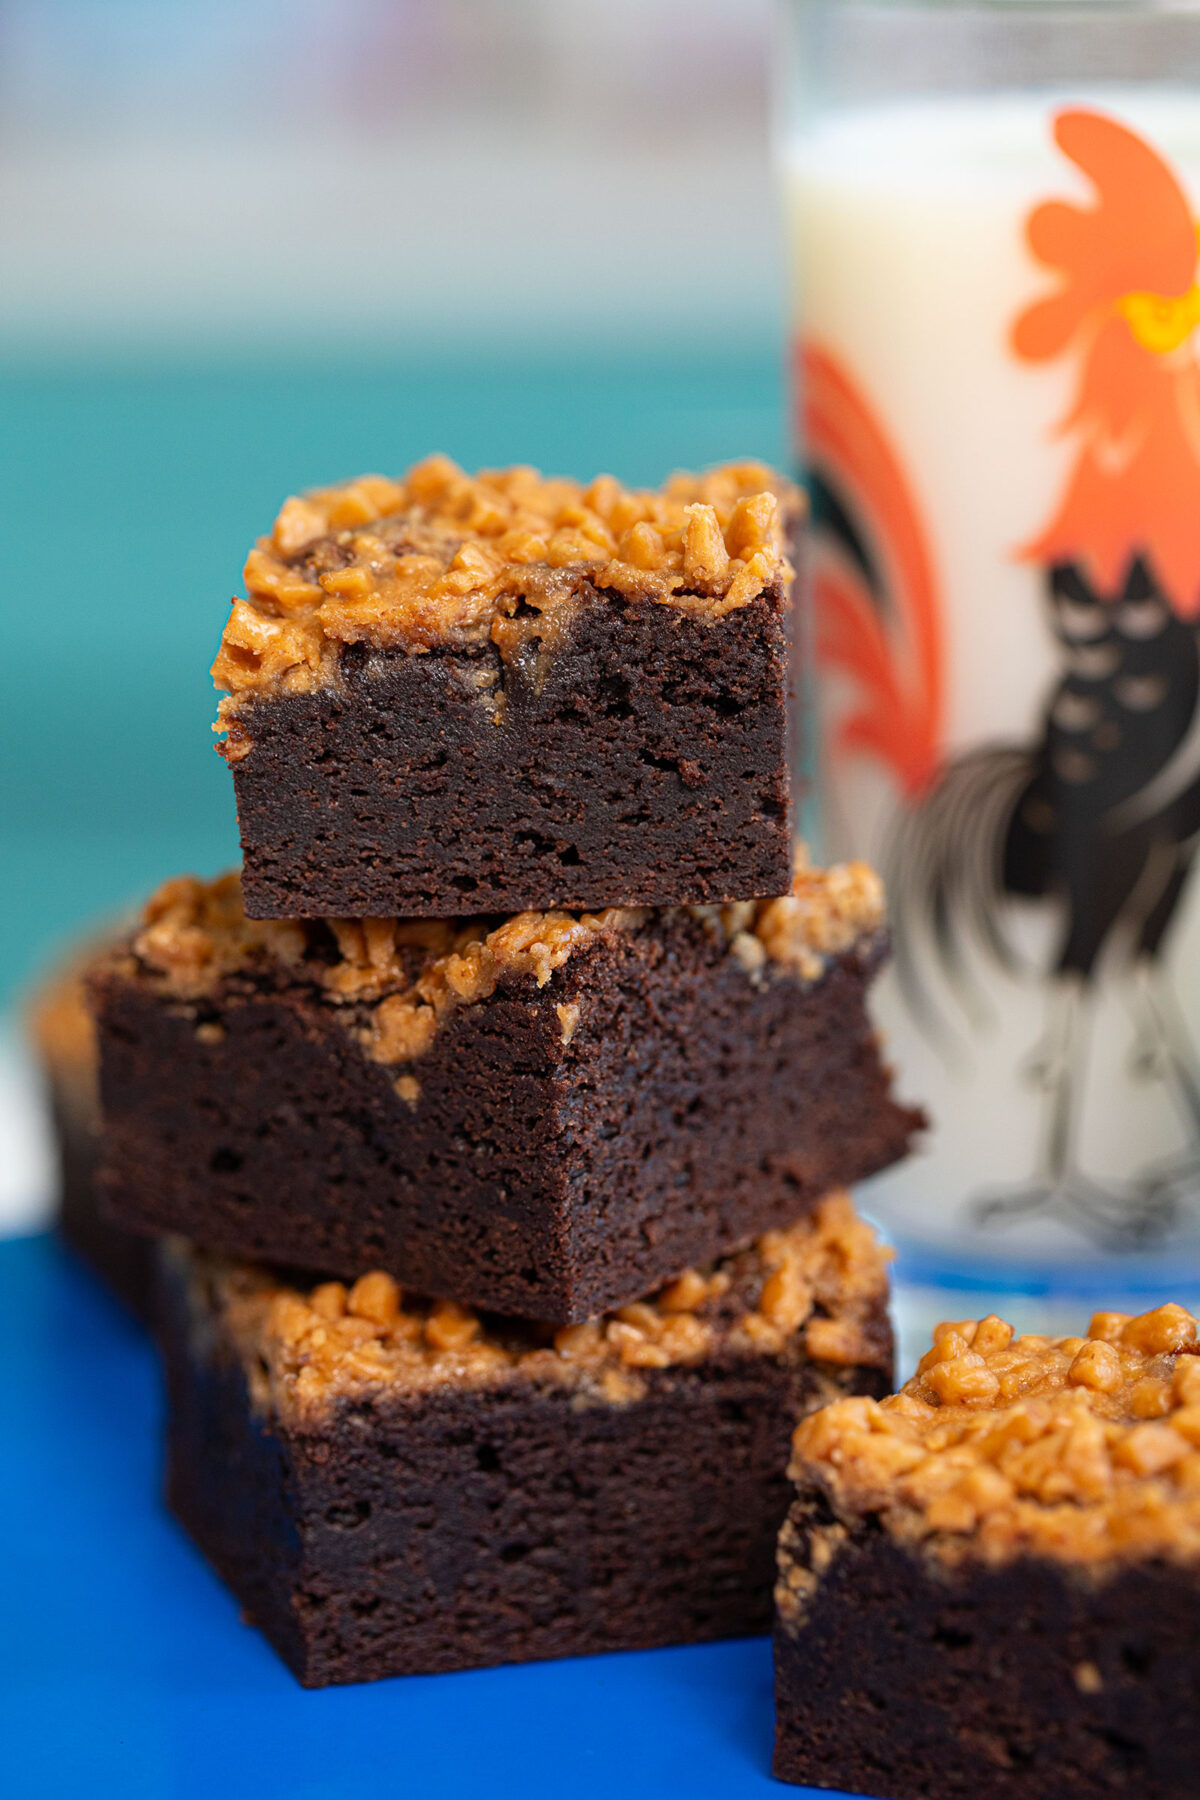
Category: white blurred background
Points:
column 176, row 174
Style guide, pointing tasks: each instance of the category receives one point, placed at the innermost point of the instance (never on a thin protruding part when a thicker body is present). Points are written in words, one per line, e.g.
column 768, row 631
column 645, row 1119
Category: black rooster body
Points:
column 1108, row 821
column 1100, row 818
column 1093, row 820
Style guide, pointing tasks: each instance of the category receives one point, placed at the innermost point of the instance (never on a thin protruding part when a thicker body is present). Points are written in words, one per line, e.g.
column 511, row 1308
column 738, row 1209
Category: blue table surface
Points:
column 126, row 1671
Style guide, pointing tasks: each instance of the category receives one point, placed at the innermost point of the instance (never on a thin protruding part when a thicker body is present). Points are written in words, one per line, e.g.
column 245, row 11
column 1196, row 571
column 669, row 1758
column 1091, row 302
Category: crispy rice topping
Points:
column 826, row 913
column 439, row 557
column 1081, row 1448
column 817, row 1287
column 404, row 978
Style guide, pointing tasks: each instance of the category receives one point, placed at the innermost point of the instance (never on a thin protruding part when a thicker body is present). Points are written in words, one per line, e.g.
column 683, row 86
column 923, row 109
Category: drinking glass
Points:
column 992, row 215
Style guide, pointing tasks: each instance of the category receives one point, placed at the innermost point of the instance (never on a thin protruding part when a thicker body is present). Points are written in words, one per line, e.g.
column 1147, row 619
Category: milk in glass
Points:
column 999, row 403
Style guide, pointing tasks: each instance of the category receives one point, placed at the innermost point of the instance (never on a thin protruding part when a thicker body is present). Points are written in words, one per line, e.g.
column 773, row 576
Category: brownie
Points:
column 546, row 1117
column 989, row 1584
column 64, row 1037
column 504, row 693
column 391, row 1486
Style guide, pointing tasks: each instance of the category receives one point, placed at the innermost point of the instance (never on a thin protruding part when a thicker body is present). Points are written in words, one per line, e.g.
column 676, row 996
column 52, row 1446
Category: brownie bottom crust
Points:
column 465, row 1528
column 1022, row 1681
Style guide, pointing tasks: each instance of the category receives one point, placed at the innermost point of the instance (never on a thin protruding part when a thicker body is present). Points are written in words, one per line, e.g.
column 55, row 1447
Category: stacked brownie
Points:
column 394, row 1486
column 988, row 1583
column 500, row 1111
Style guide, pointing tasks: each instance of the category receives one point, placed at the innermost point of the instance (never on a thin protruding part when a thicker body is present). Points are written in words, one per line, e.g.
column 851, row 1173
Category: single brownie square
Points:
column 546, row 1117
column 391, row 1486
column 64, row 1038
column 989, row 1584
column 450, row 694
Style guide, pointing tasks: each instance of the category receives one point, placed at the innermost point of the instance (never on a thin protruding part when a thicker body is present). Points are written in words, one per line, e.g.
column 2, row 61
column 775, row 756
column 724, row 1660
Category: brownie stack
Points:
column 500, row 1112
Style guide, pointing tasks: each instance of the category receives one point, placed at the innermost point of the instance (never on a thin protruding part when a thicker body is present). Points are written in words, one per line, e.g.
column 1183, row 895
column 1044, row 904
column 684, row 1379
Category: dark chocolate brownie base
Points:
column 456, row 1529
column 122, row 1259
column 643, row 761
column 64, row 1042
column 690, row 1112
column 1026, row 1681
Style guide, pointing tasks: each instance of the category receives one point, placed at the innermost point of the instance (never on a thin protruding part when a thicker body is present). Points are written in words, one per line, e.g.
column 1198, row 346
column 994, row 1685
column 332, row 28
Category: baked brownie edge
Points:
column 460, row 1528
column 688, row 1112
column 1025, row 1680
column 643, row 760
column 64, row 1038
column 728, row 1109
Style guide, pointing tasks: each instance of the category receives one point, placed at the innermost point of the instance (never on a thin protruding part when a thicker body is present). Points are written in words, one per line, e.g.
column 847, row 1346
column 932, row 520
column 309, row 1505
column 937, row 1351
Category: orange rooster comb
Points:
column 1139, row 240
column 1128, row 305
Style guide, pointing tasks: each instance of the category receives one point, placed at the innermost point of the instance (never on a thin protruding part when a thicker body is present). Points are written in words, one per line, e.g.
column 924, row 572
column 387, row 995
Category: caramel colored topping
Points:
column 194, row 933
column 1081, row 1448
column 826, row 913
column 568, row 1021
column 441, row 557
column 401, row 979
column 405, row 977
column 330, row 1343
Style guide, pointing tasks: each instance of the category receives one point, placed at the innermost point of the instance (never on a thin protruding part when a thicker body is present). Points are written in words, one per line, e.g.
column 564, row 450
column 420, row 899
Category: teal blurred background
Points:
column 248, row 248
column 129, row 499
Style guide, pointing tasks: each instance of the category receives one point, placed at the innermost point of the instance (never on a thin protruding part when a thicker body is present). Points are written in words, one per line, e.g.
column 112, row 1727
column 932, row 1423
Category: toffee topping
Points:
column 439, row 557
column 401, row 979
column 817, row 1285
column 1081, row 1449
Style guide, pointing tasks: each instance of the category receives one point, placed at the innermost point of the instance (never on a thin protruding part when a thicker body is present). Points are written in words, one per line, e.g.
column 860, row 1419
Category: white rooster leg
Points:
column 1164, row 1052
column 1049, row 1065
column 1059, row 1188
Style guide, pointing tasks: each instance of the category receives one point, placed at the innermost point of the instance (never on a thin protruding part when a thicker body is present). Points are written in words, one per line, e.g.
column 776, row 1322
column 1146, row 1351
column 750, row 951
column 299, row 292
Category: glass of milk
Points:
column 992, row 211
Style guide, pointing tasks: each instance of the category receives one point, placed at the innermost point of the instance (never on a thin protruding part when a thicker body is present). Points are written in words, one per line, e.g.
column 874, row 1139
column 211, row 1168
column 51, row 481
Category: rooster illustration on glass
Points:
column 1007, row 591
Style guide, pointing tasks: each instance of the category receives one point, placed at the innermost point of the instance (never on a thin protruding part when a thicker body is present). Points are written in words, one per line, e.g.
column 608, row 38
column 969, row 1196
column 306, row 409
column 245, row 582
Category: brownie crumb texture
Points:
column 390, row 1486
column 550, row 1149
column 440, row 558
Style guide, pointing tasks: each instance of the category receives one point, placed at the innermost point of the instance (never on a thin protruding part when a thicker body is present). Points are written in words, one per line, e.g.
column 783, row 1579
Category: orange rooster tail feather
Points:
column 889, row 645
column 851, row 640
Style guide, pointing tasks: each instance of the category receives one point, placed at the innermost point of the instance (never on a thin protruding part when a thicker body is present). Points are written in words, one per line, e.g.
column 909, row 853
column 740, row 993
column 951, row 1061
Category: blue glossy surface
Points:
column 125, row 1671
